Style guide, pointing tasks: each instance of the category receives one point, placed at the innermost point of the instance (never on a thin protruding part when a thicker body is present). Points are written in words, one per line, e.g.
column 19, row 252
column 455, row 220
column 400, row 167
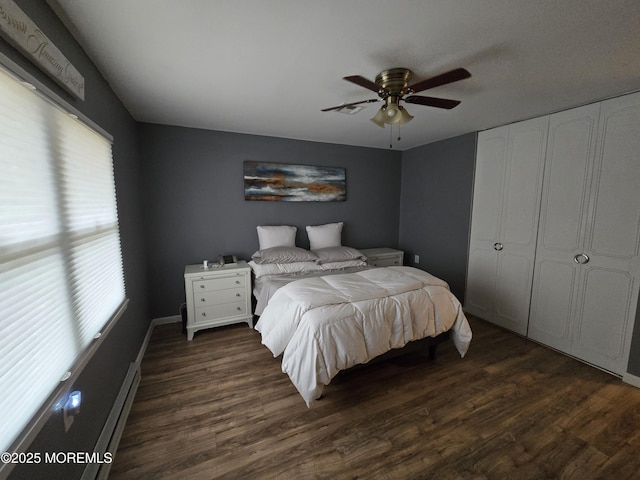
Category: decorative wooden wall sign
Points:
column 20, row 31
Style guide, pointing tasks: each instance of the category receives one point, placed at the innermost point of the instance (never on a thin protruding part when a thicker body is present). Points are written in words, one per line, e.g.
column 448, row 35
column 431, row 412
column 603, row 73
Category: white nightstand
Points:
column 217, row 296
column 383, row 257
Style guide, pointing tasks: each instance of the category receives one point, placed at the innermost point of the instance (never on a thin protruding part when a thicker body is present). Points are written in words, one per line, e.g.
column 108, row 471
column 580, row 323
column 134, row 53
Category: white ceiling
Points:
column 268, row 67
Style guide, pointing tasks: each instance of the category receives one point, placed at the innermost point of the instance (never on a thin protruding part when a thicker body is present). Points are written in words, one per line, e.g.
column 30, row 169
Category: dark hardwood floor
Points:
column 219, row 407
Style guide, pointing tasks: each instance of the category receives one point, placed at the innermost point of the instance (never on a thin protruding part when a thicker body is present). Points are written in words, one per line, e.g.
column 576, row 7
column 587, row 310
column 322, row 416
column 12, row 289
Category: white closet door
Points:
column 608, row 296
column 485, row 227
column 507, row 186
column 519, row 223
column 563, row 217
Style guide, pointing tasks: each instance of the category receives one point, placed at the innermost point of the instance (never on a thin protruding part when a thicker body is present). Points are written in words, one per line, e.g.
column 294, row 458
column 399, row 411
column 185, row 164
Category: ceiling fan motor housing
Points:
column 394, row 82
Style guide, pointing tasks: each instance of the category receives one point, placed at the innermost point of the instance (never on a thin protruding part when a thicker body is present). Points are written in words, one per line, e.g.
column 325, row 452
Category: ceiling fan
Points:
column 392, row 86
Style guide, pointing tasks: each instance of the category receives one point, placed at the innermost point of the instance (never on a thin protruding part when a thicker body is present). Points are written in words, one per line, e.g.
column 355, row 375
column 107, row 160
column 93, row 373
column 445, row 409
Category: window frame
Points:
column 52, row 404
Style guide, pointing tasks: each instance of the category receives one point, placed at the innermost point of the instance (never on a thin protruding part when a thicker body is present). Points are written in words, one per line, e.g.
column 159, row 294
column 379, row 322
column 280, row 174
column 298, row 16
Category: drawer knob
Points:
column 237, row 282
column 201, row 286
column 204, row 314
column 237, row 294
column 238, row 308
column 202, row 299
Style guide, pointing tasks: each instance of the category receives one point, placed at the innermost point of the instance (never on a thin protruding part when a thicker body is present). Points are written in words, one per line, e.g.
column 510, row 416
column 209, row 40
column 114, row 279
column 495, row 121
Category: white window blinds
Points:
column 61, row 276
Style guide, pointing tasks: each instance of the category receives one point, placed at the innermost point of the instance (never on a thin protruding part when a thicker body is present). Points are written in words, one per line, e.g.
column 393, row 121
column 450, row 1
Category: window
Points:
column 61, row 275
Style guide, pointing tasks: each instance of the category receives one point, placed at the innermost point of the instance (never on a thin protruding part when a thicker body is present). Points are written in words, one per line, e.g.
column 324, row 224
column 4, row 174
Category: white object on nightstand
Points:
column 383, row 257
column 217, row 297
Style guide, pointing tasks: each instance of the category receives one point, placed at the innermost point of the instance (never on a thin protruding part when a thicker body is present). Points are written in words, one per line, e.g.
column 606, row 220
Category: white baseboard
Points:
column 631, row 379
column 165, row 320
column 152, row 325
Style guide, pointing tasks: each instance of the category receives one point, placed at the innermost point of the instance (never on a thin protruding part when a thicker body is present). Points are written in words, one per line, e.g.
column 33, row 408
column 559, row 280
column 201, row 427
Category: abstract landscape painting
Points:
column 293, row 183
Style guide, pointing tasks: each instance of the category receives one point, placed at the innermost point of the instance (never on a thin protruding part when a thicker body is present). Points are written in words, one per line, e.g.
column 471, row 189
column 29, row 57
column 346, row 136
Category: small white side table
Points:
column 383, row 257
column 217, row 296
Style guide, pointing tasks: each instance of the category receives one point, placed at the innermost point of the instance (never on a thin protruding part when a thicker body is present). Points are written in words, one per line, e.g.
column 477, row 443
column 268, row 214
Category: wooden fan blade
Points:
column 442, row 79
column 363, row 82
column 432, row 101
column 349, row 105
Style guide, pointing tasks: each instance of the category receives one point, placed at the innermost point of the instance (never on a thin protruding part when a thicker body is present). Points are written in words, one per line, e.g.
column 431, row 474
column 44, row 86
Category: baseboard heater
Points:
column 114, row 426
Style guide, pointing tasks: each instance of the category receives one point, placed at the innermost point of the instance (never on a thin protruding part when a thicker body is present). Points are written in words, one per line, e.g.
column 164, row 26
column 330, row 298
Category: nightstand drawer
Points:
column 220, row 283
column 213, row 297
column 224, row 310
column 386, row 262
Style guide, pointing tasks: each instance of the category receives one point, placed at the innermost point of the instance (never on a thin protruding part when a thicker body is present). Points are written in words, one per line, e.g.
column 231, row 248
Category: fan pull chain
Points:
column 391, row 135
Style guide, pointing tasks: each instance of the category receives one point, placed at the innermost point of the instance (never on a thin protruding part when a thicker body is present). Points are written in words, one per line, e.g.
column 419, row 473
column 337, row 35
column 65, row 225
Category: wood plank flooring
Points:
column 220, row 408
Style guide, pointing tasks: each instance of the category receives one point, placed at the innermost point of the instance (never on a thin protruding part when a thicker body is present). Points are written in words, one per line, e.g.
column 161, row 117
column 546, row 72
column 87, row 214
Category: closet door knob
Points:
column 581, row 258
column 497, row 246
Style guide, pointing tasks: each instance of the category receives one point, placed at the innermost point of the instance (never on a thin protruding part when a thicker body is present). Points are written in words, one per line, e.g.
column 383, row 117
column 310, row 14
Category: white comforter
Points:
column 326, row 324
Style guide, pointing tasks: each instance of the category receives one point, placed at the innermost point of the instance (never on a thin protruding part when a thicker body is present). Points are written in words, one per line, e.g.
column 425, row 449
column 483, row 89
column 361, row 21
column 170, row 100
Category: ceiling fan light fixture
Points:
column 379, row 118
column 405, row 117
column 394, row 118
column 392, row 110
column 391, row 113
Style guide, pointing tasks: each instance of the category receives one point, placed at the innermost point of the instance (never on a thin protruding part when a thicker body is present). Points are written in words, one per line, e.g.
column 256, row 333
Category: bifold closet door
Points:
column 571, row 148
column 611, row 267
column 507, row 184
column 491, row 157
column 588, row 264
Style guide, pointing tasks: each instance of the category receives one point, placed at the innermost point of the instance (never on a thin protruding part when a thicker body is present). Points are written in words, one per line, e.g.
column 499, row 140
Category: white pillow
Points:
column 323, row 236
column 276, row 236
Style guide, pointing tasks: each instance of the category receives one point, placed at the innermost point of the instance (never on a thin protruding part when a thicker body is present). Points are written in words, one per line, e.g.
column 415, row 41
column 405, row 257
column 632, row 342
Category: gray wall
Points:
column 435, row 207
column 102, row 377
column 195, row 207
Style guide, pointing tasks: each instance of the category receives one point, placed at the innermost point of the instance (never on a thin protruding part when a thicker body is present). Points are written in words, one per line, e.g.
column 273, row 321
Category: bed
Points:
column 325, row 310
